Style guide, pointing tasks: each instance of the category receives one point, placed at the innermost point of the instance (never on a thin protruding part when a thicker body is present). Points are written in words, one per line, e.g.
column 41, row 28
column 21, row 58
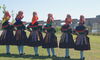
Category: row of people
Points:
column 36, row 38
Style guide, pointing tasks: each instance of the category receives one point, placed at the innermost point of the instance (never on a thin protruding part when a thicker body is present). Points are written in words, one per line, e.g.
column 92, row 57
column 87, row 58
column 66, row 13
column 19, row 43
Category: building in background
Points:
column 93, row 24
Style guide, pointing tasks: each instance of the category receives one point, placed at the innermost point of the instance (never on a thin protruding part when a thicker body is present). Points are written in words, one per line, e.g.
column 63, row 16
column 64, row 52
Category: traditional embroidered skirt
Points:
column 7, row 38
column 82, row 42
column 50, row 41
column 66, row 41
column 21, row 37
column 35, row 39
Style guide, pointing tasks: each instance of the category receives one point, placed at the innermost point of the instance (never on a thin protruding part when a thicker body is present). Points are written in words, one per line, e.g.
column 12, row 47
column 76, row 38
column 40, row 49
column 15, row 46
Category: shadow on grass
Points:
column 62, row 58
column 34, row 57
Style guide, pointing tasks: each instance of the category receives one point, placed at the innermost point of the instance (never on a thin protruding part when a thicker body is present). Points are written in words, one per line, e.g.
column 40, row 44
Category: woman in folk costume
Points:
column 35, row 36
column 82, row 41
column 67, row 38
column 50, row 39
column 20, row 33
column 7, row 36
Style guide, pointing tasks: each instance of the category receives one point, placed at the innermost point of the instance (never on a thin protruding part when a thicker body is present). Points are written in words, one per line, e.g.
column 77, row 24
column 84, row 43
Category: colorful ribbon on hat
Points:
column 6, row 16
column 82, row 19
column 34, row 18
column 19, row 16
column 50, row 19
column 68, row 19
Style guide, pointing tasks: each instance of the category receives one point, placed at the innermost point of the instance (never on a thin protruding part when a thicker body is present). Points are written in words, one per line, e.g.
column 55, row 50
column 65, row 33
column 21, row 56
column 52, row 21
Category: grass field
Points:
column 93, row 54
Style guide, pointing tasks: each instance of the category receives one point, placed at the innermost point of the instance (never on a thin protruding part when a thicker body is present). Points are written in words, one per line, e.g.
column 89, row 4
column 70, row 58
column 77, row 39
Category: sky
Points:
column 59, row 8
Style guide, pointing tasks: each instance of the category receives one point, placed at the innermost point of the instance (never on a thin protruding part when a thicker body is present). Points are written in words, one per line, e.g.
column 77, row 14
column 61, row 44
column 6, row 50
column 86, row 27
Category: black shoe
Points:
column 67, row 57
column 22, row 54
column 36, row 54
column 54, row 56
column 48, row 56
column 82, row 58
column 8, row 53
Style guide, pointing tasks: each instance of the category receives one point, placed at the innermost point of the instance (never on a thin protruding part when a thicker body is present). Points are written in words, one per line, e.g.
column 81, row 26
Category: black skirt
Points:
column 50, row 41
column 82, row 43
column 66, row 41
column 7, row 38
column 21, row 37
column 35, row 39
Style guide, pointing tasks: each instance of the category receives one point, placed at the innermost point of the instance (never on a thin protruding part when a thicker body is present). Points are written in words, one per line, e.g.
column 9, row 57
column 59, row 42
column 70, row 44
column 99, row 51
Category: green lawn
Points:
column 93, row 54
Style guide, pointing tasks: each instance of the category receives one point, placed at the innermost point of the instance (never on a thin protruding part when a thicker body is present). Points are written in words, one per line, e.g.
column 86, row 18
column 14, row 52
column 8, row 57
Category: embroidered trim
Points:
column 5, row 26
column 18, row 25
column 32, row 26
column 80, row 30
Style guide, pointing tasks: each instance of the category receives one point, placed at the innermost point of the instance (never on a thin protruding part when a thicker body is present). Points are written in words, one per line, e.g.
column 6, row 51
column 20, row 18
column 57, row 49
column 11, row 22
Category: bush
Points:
column 58, row 28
